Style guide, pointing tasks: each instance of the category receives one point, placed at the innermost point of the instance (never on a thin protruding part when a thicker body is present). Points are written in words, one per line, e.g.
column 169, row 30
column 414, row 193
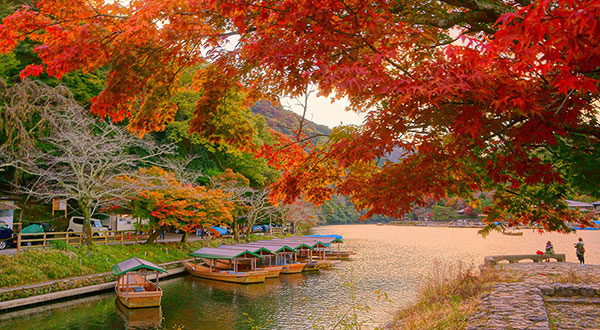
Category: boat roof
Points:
column 294, row 244
column 326, row 240
column 310, row 242
column 273, row 247
column 330, row 235
column 218, row 253
column 133, row 264
column 254, row 249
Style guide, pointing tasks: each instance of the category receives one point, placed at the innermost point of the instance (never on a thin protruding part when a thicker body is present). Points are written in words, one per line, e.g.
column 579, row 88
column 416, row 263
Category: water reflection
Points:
column 139, row 318
column 389, row 258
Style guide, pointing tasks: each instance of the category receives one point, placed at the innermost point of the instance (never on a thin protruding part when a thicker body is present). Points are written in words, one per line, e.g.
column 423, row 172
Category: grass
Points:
column 446, row 299
column 35, row 265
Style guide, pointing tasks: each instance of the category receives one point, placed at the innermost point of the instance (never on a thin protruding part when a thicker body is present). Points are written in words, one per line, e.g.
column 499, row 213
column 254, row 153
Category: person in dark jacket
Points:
column 580, row 250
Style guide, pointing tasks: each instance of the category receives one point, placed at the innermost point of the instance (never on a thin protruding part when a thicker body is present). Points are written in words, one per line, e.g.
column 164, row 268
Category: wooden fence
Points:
column 44, row 240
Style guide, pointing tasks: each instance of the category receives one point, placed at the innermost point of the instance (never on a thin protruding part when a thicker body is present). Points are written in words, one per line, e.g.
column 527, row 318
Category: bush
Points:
column 59, row 244
column 446, row 299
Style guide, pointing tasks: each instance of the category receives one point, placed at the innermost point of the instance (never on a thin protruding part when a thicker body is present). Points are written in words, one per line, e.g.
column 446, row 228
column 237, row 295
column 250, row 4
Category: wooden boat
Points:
column 236, row 257
column 513, row 233
column 225, row 275
column 133, row 289
column 266, row 261
column 327, row 264
column 293, row 268
column 339, row 255
column 272, row 271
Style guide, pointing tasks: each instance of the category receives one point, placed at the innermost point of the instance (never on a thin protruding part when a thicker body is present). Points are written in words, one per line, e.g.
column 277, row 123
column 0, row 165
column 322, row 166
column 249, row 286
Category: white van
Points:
column 76, row 225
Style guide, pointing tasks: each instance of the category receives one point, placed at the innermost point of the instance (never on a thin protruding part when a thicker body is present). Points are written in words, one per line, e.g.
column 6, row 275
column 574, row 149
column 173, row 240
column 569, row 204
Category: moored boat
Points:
column 512, row 233
column 293, row 268
column 133, row 288
column 235, row 274
column 225, row 275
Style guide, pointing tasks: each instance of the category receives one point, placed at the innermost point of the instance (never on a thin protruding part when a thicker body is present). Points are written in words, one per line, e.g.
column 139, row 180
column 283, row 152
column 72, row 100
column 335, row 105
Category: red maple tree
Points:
column 478, row 95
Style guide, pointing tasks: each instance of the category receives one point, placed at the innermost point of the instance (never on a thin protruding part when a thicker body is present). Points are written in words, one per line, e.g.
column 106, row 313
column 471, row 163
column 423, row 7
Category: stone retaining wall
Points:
column 31, row 290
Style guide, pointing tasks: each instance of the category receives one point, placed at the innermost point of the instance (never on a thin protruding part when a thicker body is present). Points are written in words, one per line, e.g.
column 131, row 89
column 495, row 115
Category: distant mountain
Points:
column 288, row 122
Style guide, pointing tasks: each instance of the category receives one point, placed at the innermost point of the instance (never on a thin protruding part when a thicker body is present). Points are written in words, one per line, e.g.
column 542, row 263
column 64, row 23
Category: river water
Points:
column 390, row 259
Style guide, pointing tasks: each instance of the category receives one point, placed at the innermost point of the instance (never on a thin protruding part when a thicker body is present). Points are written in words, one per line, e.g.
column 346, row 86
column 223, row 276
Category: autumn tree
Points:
column 158, row 196
column 75, row 156
column 481, row 95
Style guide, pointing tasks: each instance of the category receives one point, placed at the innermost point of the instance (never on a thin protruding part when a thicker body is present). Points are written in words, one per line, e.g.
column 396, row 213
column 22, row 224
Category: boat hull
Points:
column 311, row 267
column 292, row 268
column 240, row 277
column 518, row 233
column 339, row 255
column 272, row 271
column 140, row 299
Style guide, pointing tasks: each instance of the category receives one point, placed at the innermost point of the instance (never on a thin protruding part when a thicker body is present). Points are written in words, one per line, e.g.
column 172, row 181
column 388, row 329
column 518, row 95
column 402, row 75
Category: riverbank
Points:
column 43, row 271
column 543, row 296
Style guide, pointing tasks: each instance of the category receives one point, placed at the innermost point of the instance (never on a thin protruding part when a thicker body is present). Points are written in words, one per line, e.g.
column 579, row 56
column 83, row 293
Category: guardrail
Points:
column 44, row 240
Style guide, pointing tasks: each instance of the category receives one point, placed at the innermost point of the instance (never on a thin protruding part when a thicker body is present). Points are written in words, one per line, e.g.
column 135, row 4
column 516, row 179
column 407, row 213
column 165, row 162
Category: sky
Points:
column 322, row 111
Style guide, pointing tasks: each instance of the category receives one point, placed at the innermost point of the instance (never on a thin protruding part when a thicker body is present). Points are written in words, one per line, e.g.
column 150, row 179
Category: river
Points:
column 390, row 259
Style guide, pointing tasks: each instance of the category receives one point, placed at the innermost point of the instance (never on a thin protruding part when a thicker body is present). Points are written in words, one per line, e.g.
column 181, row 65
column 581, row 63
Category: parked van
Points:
column 76, row 225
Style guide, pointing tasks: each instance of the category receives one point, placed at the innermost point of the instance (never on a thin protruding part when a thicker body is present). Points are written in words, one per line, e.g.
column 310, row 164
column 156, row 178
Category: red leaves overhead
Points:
column 473, row 115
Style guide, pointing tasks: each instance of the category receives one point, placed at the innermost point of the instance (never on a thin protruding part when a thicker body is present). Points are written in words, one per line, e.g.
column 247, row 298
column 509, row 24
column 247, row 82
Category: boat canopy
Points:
column 221, row 253
column 310, row 242
column 254, row 249
column 326, row 240
column 273, row 247
column 134, row 264
column 324, row 236
column 293, row 244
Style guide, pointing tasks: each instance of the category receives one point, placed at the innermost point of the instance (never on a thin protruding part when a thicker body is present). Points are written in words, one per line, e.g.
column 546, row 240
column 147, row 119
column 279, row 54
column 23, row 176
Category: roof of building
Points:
column 571, row 203
column 8, row 206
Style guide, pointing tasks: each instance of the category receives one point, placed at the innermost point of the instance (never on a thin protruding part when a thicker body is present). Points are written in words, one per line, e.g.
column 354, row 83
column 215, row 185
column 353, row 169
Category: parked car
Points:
column 35, row 229
column 76, row 225
column 6, row 237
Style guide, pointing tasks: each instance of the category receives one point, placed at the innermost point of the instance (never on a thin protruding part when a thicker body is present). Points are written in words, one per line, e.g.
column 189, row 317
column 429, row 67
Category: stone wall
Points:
column 541, row 296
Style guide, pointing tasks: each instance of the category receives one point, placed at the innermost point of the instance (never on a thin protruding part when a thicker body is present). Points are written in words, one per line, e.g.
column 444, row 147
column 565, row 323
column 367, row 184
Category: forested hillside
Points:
column 287, row 122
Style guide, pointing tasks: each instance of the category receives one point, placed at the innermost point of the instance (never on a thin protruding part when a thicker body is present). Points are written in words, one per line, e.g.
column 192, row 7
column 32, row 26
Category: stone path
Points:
column 541, row 296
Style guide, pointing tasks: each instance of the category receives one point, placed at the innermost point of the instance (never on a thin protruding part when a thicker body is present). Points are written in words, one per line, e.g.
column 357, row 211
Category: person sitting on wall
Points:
column 549, row 250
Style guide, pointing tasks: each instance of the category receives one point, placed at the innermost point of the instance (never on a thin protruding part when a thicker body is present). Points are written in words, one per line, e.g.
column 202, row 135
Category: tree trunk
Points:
column 236, row 231
column 152, row 238
column 184, row 237
column 86, row 233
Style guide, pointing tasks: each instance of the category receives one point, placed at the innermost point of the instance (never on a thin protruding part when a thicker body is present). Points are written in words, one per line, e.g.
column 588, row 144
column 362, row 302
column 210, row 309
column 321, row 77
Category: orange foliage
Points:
column 167, row 203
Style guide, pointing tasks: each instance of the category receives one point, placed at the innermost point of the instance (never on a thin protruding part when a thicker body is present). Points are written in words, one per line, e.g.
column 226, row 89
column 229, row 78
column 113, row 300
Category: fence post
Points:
column 44, row 240
column 81, row 238
column 19, row 242
column 106, row 239
column 121, row 238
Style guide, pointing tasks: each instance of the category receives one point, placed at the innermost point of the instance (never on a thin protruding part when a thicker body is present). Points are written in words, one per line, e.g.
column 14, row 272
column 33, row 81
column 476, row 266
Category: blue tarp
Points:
column 336, row 236
column 221, row 231
column 597, row 223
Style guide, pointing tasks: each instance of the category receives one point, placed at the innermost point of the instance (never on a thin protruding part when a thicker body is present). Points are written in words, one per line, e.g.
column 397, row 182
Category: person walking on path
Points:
column 549, row 250
column 580, row 250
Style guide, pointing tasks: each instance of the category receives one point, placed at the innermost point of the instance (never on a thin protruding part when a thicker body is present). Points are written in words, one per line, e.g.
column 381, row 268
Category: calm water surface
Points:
column 393, row 259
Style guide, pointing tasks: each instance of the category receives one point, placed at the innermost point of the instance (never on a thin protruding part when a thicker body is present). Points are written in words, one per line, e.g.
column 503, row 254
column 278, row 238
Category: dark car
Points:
column 6, row 237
